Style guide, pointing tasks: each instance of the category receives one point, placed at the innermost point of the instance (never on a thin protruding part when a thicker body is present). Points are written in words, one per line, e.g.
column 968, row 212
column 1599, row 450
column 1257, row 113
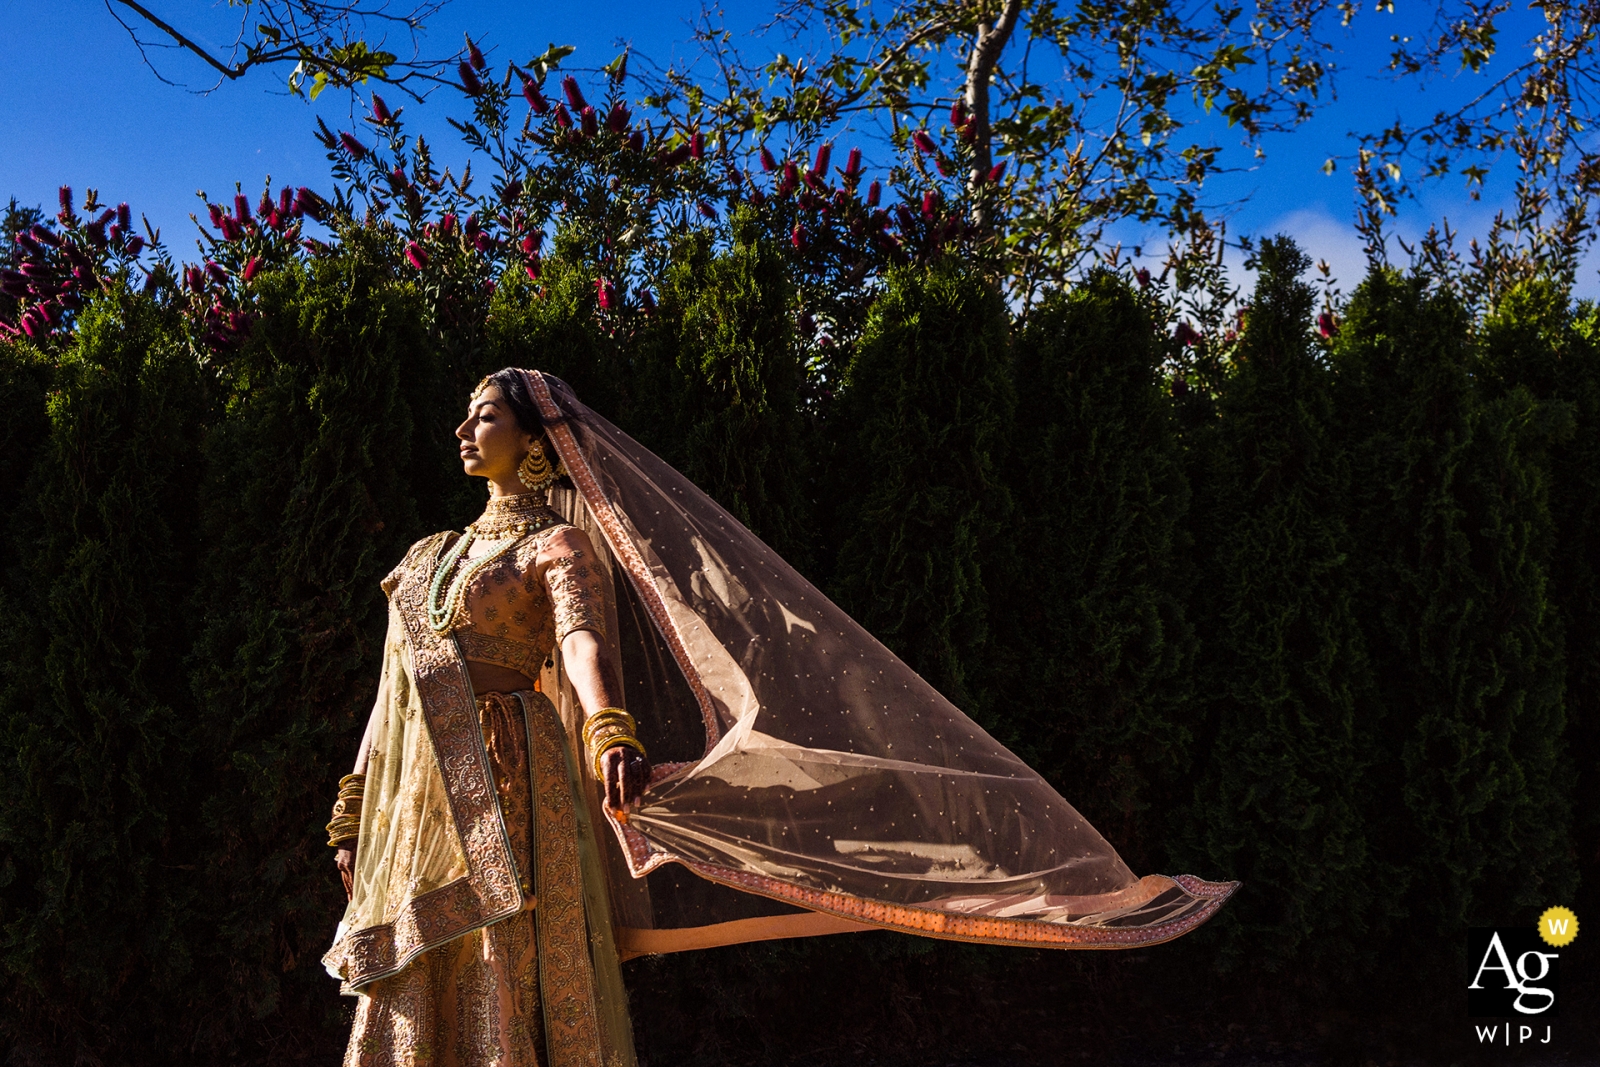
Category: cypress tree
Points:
column 928, row 400
column 99, row 803
column 1284, row 675
column 1452, row 538
column 553, row 324
column 327, row 464
column 1536, row 342
column 1096, row 616
column 731, row 402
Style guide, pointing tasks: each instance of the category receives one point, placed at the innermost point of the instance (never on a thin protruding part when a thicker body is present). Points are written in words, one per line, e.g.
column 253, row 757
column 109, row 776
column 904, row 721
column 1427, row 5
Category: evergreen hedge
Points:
column 1328, row 627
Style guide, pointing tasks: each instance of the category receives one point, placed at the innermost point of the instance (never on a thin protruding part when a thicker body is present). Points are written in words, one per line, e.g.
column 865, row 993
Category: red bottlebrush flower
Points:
column 416, row 254
column 97, row 234
column 536, row 100
column 617, row 118
column 124, row 216
column 798, row 238
column 380, row 111
column 677, row 156
column 924, row 143
column 563, row 119
column 135, row 245
column 604, row 293
column 852, row 164
column 569, row 85
column 945, row 167
column 590, row 121
column 64, row 194
column 820, row 165
column 768, row 163
column 1327, row 326
column 29, row 245
column 469, row 80
column 958, row 113
column 353, row 146
column 469, row 227
column 697, row 145
column 510, row 191
column 930, row 204
column 1186, row 335
column 252, row 268
column 707, row 210
column 285, row 201
column 264, row 208
column 533, row 268
column 241, row 207
column 106, row 216
column 447, row 223
column 1142, row 275
column 13, row 283
column 476, row 56
column 115, row 236
column 997, row 172
column 192, row 279
column 216, row 271
column 874, row 192
column 530, row 243
column 483, row 242
column 757, row 197
column 230, row 229
column 791, row 174
column 44, row 236
column 636, row 142
column 34, row 325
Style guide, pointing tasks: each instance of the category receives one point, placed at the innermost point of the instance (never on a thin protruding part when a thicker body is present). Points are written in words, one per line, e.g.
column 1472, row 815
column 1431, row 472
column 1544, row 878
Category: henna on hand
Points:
column 627, row 775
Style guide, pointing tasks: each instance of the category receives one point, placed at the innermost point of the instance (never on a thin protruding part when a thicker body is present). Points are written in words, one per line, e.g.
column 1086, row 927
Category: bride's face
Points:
column 492, row 444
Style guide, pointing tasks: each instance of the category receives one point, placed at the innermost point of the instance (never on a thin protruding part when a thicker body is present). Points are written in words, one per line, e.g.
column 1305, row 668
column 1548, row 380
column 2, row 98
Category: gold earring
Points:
column 535, row 471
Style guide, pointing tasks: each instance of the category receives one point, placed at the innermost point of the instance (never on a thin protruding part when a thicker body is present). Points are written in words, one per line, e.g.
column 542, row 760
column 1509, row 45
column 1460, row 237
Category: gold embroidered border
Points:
column 622, row 546
column 489, row 891
column 566, row 972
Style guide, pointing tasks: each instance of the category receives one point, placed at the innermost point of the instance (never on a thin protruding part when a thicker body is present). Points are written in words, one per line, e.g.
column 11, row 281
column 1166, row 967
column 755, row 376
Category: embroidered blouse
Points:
column 506, row 611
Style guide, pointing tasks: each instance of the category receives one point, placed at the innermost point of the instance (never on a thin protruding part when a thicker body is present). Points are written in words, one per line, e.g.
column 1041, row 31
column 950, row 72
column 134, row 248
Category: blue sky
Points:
column 82, row 109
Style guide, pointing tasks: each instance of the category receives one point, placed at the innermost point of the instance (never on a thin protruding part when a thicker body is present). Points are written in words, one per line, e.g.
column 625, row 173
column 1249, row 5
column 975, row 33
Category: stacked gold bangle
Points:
column 346, row 824
column 605, row 730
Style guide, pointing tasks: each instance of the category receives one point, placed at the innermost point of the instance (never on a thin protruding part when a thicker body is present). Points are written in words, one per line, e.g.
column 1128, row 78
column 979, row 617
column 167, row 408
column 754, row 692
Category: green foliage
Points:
column 1284, row 676
column 1536, row 341
column 1467, row 805
column 923, row 505
column 1100, row 631
column 733, row 373
column 100, row 799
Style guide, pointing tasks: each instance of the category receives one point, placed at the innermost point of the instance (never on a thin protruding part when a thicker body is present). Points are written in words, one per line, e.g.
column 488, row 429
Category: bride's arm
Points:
column 575, row 590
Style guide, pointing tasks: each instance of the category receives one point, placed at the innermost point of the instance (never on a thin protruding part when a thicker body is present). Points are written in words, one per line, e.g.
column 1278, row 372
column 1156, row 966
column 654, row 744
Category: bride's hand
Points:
column 627, row 775
column 345, row 858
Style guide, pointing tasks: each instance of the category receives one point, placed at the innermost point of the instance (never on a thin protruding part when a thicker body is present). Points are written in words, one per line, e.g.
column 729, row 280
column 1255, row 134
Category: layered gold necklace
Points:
column 513, row 517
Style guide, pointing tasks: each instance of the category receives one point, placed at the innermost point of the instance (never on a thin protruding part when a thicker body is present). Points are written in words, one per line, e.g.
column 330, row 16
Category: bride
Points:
column 505, row 840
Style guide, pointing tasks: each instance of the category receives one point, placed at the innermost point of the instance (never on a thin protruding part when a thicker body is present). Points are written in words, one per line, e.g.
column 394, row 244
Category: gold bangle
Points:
column 616, row 741
column 607, row 717
column 343, row 828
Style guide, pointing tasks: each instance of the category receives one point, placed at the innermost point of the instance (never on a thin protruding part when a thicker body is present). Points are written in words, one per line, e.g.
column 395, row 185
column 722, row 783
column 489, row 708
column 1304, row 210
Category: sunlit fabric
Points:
column 801, row 762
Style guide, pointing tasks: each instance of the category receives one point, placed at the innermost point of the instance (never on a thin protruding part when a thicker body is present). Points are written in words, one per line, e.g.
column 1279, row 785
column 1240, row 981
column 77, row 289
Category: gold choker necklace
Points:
column 514, row 516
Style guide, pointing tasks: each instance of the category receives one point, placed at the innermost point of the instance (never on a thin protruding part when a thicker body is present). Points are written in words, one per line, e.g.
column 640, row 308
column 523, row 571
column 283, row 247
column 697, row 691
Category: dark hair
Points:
column 513, row 386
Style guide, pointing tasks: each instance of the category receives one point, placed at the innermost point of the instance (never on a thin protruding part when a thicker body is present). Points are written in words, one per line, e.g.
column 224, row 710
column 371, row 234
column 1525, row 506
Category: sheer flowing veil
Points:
column 807, row 781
